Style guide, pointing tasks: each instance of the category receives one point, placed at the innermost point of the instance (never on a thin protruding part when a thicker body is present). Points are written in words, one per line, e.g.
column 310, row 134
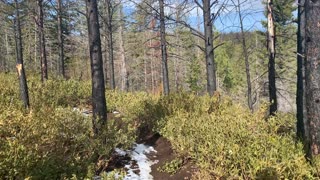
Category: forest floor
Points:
column 164, row 153
column 158, row 152
column 161, row 153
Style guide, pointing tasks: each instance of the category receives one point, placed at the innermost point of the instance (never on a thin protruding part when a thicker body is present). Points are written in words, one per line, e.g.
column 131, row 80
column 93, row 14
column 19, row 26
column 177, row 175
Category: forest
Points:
column 159, row 89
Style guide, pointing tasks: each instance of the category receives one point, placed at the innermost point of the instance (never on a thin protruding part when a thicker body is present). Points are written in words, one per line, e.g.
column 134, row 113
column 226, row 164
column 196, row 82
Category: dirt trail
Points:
column 165, row 154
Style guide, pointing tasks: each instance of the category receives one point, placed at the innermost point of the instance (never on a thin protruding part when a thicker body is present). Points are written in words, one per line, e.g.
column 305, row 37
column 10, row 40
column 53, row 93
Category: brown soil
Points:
column 165, row 154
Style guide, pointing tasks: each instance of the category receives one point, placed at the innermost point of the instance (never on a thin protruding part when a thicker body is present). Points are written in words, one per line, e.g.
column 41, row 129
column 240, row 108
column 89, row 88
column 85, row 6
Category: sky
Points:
column 228, row 20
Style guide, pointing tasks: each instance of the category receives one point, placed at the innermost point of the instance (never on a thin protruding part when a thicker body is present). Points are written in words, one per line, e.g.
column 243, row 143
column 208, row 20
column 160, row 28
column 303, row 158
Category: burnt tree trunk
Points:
column 209, row 51
column 98, row 86
column 61, row 41
column 312, row 72
column 19, row 58
column 43, row 55
column 272, row 56
column 110, row 42
column 164, row 55
column 300, row 98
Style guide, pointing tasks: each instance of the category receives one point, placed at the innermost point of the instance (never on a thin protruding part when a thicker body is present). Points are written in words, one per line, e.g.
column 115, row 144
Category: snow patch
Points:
column 139, row 154
column 142, row 168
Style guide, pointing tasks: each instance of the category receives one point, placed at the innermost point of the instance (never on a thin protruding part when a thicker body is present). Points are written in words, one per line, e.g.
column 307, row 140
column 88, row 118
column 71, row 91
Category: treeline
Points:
column 152, row 46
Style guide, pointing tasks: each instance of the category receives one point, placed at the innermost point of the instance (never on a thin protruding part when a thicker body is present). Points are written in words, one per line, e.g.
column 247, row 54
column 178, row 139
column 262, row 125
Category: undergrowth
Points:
column 51, row 141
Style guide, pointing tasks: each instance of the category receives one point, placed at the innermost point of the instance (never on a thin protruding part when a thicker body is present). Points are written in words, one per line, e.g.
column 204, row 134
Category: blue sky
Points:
column 228, row 21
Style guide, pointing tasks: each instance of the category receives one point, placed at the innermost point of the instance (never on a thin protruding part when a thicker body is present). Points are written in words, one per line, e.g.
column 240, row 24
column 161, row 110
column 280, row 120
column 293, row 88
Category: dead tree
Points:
column 98, row 86
column 312, row 73
column 19, row 58
column 271, row 36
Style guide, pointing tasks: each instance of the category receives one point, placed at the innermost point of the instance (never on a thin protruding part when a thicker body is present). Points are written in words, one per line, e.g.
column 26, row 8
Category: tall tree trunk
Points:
column 300, row 98
column 98, row 86
column 124, row 71
column 272, row 56
column 43, row 55
column 110, row 43
column 19, row 58
column 209, row 51
column 312, row 72
column 164, row 56
column 246, row 58
column 35, row 44
column 60, row 40
column 105, row 54
column 7, row 52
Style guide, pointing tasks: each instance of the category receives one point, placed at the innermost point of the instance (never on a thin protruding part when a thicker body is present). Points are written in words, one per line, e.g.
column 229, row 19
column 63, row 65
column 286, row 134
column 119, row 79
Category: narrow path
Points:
column 165, row 154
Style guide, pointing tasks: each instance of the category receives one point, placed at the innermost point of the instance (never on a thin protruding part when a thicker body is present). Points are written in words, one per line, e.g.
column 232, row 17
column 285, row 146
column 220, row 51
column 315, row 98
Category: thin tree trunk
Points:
column 246, row 58
column 35, row 45
column 300, row 98
column 19, row 58
column 98, row 86
column 145, row 72
column 43, row 55
column 271, row 65
column 209, row 51
column 152, row 74
column 110, row 43
column 124, row 71
column 164, row 56
column 7, row 52
column 312, row 72
column 105, row 62
column 61, row 41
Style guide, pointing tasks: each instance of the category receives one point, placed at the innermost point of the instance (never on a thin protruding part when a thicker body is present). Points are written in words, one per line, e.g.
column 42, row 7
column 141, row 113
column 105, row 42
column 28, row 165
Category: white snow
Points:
column 143, row 163
column 120, row 152
column 116, row 112
column 138, row 154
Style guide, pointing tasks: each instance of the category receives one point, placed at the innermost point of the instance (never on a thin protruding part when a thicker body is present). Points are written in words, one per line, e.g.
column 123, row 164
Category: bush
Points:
column 51, row 141
column 230, row 142
column 47, row 144
column 225, row 140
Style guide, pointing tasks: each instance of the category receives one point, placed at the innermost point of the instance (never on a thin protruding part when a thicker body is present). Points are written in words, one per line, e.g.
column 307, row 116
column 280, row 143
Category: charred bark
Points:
column 110, row 42
column 42, row 42
column 19, row 58
column 210, row 63
column 312, row 72
column 300, row 98
column 98, row 86
column 272, row 56
column 164, row 55
column 61, row 41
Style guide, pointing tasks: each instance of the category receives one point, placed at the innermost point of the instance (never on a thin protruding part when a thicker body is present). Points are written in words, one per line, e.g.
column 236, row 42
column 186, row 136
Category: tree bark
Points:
column 246, row 58
column 19, row 58
column 124, row 71
column 300, row 98
column 210, row 63
column 60, row 40
column 312, row 72
column 98, row 86
column 43, row 55
column 164, row 56
column 272, row 55
column 7, row 52
column 110, row 42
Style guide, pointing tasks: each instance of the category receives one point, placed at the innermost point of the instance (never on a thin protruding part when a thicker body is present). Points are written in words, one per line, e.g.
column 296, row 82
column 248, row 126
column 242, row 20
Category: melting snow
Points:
column 138, row 154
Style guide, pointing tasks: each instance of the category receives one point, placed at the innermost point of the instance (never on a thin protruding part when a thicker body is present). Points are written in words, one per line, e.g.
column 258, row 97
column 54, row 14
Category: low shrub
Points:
column 230, row 142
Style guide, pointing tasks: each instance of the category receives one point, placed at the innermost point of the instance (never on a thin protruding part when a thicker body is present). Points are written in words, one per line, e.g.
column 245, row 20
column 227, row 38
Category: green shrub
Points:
column 51, row 141
column 230, row 142
column 45, row 144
